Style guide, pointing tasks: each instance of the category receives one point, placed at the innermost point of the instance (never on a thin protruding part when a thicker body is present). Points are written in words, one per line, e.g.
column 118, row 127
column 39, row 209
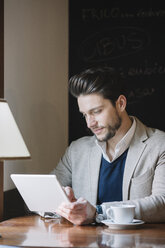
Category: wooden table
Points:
column 32, row 231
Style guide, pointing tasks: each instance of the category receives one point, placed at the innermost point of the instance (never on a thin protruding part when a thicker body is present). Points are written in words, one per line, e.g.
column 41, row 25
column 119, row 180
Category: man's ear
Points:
column 121, row 103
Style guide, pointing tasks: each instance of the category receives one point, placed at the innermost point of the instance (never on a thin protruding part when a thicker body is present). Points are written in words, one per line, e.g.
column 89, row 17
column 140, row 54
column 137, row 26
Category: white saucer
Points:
column 134, row 224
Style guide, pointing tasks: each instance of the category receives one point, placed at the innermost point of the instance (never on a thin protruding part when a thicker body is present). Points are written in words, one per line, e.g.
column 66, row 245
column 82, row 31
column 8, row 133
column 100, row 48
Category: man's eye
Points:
column 97, row 111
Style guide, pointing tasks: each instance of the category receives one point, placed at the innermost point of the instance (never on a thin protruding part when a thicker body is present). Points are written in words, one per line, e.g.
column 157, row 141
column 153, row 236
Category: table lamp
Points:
column 12, row 145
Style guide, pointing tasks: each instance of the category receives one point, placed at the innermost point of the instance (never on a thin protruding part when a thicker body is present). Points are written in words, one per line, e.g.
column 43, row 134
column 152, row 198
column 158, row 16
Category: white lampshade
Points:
column 12, row 145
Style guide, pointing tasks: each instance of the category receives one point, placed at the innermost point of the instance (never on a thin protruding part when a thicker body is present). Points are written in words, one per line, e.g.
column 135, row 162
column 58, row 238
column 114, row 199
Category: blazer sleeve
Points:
column 63, row 170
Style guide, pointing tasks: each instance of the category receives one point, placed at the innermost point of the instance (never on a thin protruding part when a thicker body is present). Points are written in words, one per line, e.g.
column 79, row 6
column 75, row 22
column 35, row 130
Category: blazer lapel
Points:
column 94, row 168
column 135, row 151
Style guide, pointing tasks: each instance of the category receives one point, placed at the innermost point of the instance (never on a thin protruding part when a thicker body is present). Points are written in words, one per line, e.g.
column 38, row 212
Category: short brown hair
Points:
column 105, row 81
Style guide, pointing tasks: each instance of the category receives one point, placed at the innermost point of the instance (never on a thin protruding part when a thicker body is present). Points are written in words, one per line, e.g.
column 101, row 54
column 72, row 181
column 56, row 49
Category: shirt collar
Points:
column 121, row 146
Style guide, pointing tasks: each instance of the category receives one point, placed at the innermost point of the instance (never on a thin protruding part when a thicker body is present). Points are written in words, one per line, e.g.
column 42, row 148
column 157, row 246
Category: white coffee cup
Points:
column 121, row 214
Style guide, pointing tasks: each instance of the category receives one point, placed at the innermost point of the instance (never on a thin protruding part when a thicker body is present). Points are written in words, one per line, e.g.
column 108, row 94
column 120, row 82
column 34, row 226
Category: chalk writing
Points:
column 136, row 94
column 150, row 13
column 143, row 69
column 100, row 14
column 113, row 43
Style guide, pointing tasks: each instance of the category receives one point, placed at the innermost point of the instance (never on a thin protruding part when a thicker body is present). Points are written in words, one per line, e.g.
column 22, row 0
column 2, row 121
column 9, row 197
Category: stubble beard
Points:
column 111, row 130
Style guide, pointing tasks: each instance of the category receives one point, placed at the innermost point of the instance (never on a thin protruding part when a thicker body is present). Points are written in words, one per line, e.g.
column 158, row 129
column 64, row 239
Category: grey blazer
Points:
column 144, row 174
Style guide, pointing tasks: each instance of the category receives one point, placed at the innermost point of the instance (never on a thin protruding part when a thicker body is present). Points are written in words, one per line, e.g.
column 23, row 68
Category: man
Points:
column 123, row 162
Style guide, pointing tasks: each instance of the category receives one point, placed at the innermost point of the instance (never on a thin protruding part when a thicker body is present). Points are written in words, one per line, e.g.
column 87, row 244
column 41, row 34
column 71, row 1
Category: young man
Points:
column 124, row 161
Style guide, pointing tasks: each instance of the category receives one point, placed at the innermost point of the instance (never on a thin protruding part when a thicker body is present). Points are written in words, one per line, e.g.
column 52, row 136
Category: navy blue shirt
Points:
column 111, row 179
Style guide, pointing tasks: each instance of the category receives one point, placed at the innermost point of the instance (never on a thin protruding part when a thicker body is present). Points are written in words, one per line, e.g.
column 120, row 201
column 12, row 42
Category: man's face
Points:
column 101, row 116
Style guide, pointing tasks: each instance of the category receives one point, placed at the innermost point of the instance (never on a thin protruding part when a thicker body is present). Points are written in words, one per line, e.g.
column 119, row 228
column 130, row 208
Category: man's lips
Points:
column 97, row 130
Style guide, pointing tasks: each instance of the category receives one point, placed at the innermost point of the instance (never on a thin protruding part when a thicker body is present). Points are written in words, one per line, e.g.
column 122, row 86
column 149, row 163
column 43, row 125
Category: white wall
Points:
column 36, row 79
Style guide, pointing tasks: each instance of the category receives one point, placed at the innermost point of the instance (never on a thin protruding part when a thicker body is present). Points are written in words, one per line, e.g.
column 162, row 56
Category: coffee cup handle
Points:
column 109, row 213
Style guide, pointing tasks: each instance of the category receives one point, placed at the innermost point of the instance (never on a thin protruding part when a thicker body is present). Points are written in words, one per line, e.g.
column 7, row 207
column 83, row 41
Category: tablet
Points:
column 41, row 193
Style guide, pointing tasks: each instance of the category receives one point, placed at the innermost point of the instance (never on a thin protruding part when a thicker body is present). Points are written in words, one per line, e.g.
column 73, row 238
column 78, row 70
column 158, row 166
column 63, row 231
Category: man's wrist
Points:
column 99, row 214
column 99, row 209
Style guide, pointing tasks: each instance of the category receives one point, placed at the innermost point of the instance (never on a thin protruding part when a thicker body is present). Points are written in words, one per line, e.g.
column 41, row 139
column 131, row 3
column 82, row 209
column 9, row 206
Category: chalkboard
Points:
column 129, row 36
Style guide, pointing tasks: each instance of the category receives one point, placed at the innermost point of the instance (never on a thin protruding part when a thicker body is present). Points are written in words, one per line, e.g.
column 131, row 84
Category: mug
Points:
column 121, row 214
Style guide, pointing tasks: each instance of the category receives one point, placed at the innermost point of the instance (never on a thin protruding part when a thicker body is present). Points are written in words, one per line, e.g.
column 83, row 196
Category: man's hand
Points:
column 79, row 211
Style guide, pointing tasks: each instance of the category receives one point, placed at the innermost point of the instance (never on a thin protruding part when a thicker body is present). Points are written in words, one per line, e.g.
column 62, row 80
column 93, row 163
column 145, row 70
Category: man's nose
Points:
column 91, row 122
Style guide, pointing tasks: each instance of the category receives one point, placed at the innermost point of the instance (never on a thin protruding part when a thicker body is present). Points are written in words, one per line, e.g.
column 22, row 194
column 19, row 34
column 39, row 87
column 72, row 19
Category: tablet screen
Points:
column 41, row 193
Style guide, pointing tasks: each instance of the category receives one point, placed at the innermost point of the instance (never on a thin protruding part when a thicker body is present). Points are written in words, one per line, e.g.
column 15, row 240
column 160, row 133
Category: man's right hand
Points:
column 78, row 211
